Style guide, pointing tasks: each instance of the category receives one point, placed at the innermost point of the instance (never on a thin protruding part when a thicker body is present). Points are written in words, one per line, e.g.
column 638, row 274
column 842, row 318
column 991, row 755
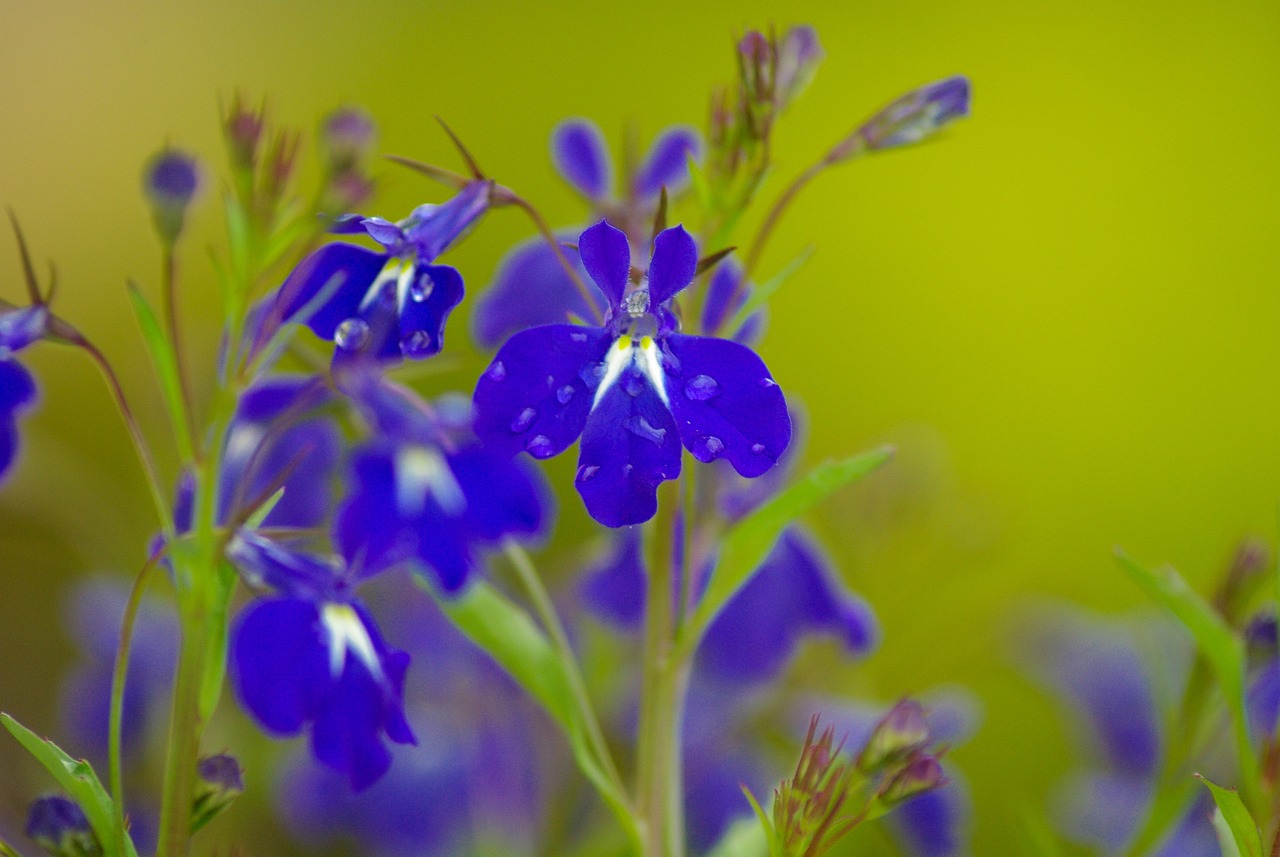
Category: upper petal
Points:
column 606, row 255
column 726, row 403
column 280, row 662
column 531, row 288
column 537, row 392
column 580, row 154
column 21, row 327
column 432, row 229
column 629, row 446
column 433, row 294
column 340, row 274
column 667, row 164
column 675, row 259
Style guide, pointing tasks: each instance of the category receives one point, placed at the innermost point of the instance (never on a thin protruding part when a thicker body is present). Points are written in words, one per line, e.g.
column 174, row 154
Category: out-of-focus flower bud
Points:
column 923, row 773
column 1240, row 583
column 918, row 115
column 220, row 782
column 280, row 164
column 899, row 733
column 242, row 127
column 58, row 825
column 799, row 54
column 347, row 136
column 170, row 182
column 757, row 63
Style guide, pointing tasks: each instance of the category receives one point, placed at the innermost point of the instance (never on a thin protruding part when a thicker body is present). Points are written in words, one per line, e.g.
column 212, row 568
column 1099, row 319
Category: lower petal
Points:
column 436, row 290
column 280, row 662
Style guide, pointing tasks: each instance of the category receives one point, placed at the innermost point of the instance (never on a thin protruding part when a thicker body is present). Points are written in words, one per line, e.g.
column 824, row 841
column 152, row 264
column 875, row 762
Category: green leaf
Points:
column 77, row 779
column 746, row 544
column 744, row 838
column 1221, row 649
column 698, row 181
column 166, row 365
column 505, row 631
column 1233, row 822
column 761, row 294
column 7, row 850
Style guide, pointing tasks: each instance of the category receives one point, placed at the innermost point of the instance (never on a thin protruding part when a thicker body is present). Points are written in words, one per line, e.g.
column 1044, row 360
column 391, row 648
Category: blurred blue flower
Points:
column 634, row 389
column 19, row 328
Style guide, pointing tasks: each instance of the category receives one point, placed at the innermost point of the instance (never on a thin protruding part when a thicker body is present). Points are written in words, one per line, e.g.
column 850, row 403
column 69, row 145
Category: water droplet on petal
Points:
column 564, row 394
column 634, row 384
column 351, row 334
column 591, row 374
column 587, row 472
column 640, row 427
column 416, row 344
column 767, row 382
column 540, row 446
column 713, row 445
column 578, row 337
column 627, row 468
column 422, row 288
column 699, row 388
column 523, row 420
column 497, row 372
column 757, row 448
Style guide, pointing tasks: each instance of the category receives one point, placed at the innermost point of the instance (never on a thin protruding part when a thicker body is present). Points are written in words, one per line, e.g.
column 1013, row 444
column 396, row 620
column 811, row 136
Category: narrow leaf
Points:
column 77, row 779
column 1223, row 651
column 744, row 838
column 760, row 294
column 1232, row 816
column 748, row 542
column 166, row 365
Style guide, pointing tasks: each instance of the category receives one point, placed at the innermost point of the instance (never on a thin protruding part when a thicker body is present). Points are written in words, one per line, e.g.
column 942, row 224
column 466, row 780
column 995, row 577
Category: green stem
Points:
column 550, row 619
column 168, row 292
column 185, row 729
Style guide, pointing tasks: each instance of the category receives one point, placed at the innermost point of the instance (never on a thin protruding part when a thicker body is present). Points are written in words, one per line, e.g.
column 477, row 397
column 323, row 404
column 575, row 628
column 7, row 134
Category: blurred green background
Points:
column 1064, row 314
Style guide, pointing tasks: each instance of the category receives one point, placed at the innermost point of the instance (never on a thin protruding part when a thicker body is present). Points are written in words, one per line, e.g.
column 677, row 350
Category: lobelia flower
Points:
column 425, row 493
column 634, row 389
column 531, row 287
column 18, row 328
column 312, row 656
column 382, row 305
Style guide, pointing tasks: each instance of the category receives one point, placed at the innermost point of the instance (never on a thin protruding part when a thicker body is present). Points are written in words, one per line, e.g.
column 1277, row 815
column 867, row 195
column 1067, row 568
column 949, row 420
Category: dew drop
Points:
column 564, row 394
column 713, row 445
column 524, row 420
column 587, row 472
column 540, row 446
column 422, row 288
column 640, row 427
column 591, row 374
column 578, row 337
column 757, row 448
column 634, row 384
column 627, row 468
column 699, row 388
column 497, row 372
column 351, row 334
column 416, row 344
column 767, row 382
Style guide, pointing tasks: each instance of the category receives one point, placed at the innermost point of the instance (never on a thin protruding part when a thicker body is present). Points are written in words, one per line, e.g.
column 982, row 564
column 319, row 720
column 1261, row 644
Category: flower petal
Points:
column 536, row 394
column 17, row 391
column 530, row 289
column 629, row 446
column 298, row 574
column 21, row 327
column 342, row 271
column 432, row 229
column 280, row 662
column 607, row 257
column 675, row 259
column 615, row 589
column 582, row 157
column 505, row 496
column 726, row 403
column 436, row 290
column 667, row 164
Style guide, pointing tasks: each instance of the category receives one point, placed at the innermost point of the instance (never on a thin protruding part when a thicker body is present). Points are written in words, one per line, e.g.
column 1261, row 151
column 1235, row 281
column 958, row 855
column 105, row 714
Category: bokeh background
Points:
column 1065, row 314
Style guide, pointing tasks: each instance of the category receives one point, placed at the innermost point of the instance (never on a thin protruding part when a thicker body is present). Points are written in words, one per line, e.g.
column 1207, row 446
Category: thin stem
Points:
column 119, row 674
column 135, row 432
column 550, row 619
column 184, row 739
column 524, row 205
column 771, row 221
column 168, row 292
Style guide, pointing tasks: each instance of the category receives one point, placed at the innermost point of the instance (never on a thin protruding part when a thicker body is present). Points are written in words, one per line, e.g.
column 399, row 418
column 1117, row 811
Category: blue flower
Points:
column 382, row 305
column 425, row 493
column 313, row 656
column 633, row 389
column 531, row 287
column 18, row 329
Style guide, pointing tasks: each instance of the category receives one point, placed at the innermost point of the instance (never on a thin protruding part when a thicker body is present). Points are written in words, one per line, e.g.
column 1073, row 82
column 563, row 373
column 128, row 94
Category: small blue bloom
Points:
column 313, row 656
column 17, row 393
column 58, row 825
column 383, row 305
column 918, row 115
column 580, row 154
column 425, row 494
column 633, row 389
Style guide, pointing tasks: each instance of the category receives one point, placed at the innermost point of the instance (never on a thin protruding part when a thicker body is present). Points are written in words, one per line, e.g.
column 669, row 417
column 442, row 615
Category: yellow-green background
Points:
column 1065, row 313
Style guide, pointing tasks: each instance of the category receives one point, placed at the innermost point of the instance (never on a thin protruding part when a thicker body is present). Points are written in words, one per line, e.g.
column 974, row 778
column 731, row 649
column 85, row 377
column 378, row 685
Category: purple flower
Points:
column 633, row 389
column 917, row 115
column 58, row 825
column 579, row 152
column 312, row 656
column 17, row 393
column 383, row 305
column 423, row 493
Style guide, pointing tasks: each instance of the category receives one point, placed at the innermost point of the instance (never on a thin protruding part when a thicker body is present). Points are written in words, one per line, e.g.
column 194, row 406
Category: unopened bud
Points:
column 242, row 127
column 58, row 825
column 899, row 733
column 922, row 774
column 280, row 164
column 347, row 136
column 799, row 54
column 220, row 782
column 757, row 65
column 170, row 182
column 917, row 115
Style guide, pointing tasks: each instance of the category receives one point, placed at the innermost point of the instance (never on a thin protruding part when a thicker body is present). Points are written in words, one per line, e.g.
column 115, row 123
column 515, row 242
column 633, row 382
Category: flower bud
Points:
column 923, row 773
column 170, row 182
column 347, row 136
column 899, row 733
column 917, row 115
column 242, row 129
column 799, row 53
column 757, row 65
column 220, row 781
column 58, row 825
